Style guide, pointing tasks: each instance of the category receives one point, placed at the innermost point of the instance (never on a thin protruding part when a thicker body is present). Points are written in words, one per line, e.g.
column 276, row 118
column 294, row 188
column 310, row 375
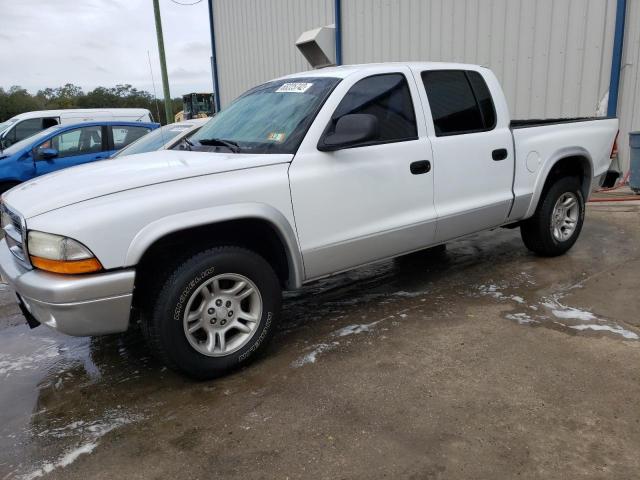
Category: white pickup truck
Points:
column 299, row 178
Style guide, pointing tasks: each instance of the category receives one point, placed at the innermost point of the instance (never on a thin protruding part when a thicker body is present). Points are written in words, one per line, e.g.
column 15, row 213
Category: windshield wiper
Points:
column 231, row 145
column 188, row 143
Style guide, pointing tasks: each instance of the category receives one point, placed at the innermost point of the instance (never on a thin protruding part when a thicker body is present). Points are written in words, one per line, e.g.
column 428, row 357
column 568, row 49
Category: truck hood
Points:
column 84, row 182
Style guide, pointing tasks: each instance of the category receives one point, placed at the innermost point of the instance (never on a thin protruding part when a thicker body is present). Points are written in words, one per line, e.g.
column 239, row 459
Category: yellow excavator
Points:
column 196, row 105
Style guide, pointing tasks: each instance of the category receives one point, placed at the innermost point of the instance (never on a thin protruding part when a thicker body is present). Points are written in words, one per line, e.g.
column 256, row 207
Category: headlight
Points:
column 58, row 254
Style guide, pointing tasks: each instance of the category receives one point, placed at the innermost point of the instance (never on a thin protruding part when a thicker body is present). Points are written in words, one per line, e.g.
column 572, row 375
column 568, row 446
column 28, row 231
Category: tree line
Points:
column 17, row 100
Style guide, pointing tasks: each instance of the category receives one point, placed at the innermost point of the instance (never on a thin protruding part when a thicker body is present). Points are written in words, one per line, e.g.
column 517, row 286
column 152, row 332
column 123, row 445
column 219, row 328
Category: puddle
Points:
column 551, row 311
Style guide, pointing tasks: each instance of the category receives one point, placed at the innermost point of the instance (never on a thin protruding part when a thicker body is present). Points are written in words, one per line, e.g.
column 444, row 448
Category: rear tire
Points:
column 215, row 312
column 557, row 222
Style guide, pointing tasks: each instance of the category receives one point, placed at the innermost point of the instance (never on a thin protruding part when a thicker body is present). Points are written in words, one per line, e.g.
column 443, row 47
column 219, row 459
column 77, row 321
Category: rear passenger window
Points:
column 388, row 98
column 460, row 102
column 124, row 135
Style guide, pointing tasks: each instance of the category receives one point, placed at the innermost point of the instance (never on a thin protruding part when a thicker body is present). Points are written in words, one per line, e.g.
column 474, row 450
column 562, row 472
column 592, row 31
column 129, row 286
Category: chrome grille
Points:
column 14, row 228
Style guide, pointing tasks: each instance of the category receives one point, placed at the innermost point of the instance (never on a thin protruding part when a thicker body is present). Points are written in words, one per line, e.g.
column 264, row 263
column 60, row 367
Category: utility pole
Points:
column 168, row 110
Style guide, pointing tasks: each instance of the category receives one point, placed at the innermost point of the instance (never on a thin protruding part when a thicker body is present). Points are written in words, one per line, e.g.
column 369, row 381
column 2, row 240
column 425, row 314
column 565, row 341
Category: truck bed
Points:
column 536, row 122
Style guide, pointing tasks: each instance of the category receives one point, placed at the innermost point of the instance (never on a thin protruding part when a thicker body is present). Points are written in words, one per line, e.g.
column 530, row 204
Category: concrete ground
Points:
column 486, row 362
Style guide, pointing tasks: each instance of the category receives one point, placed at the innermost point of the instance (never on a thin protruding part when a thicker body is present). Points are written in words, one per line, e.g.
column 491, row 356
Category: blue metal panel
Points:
column 616, row 61
column 214, row 58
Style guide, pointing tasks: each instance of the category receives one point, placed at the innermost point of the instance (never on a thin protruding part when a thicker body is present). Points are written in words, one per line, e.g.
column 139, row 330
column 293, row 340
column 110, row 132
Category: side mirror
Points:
column 351, row 130
column 46, row 153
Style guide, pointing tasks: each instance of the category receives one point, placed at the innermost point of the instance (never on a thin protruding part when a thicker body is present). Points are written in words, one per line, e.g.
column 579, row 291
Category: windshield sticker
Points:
column 276, row 137
column 294, row 87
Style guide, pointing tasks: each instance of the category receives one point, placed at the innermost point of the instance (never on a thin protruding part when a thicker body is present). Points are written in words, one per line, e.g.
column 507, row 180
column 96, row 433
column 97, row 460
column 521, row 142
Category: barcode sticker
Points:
column 294, row 87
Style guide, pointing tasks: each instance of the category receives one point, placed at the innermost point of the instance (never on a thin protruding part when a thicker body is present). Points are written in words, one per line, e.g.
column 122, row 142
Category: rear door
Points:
column 74, row 147
column 474, row 151
column 363, row 203
column 123, row 135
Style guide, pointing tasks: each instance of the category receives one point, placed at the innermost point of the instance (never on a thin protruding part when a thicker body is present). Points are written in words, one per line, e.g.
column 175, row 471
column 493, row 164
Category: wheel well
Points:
column 574, row 166
column 252, row 233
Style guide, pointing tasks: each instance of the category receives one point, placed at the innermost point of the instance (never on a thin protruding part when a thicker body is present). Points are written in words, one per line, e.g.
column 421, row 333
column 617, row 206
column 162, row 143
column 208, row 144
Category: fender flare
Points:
column 548, row 166
column 207, row 216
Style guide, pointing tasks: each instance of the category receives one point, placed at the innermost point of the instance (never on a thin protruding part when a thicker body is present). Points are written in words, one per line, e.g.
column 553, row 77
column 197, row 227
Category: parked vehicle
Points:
column 302, row 177
column 64, row 146
column 164, row 138
column 29, row 123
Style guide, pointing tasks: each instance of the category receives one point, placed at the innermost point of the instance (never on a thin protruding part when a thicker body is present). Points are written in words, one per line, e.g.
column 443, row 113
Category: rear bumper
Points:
column 79, row 305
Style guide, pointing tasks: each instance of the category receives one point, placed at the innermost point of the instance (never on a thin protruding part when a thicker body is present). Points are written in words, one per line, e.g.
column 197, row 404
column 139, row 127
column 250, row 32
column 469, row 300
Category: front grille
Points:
column 14, row 228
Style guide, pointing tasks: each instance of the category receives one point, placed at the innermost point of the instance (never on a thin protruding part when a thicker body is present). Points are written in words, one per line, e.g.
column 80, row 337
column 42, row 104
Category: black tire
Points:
column 163, row 325
column 536, row 232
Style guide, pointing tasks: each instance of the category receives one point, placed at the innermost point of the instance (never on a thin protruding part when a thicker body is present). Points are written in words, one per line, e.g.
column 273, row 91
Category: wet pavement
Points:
column 483, row 362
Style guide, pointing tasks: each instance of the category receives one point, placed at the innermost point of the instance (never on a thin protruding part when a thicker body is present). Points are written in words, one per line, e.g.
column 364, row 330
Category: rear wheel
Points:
column 557, row 222
column 215, row 312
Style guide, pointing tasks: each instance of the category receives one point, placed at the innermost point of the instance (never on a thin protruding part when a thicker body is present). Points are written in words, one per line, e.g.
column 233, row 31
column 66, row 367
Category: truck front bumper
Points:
column 79, row 305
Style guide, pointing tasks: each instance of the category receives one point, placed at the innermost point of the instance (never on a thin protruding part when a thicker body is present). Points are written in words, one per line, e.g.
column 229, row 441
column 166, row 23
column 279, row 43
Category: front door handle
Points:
column 419, row 167
column 499, row 154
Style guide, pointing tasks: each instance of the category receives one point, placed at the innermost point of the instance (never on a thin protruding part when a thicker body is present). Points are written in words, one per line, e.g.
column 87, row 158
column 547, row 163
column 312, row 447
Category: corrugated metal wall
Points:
column 255, row 39
column 553, row 57
column 629, row 96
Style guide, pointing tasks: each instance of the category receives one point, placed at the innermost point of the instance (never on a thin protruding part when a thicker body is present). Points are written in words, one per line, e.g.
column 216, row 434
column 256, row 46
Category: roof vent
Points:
column 319, row 46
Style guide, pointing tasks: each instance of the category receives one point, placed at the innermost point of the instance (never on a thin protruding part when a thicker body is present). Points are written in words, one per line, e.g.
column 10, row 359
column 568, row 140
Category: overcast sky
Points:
column 47, row 43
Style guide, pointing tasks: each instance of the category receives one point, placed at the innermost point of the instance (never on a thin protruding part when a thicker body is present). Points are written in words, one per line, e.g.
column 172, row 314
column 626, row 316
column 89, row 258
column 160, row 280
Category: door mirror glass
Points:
column 352, row 129
column 44, row 153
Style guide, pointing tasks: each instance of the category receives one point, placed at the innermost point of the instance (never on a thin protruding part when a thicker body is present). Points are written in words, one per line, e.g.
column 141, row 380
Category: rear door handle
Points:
column 419, row 167
column 499, row 154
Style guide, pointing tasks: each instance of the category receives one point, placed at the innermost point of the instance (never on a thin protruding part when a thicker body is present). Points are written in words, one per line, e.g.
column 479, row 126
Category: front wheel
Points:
column 215, row 312
column 557, row 222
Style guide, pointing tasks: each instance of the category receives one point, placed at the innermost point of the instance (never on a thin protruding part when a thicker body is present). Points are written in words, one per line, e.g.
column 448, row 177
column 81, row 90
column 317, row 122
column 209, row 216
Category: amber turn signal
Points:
column 66, row 266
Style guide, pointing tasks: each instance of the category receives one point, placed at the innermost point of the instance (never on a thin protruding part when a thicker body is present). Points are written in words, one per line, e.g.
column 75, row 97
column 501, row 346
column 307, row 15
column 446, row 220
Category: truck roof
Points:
column 344, row 71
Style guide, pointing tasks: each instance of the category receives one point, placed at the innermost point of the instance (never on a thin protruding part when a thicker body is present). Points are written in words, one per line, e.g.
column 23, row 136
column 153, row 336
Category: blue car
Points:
column 64, row 146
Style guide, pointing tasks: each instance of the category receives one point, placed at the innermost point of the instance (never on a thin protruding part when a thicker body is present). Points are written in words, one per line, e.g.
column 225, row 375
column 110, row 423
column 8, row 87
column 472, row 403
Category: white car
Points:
column 302, row 177
column 29, row 123
column 164, row 138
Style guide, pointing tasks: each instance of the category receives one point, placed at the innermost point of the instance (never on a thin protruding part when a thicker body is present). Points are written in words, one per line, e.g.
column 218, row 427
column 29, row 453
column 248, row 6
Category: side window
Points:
column 388, row 98
column 80, row 141
column 124, row 135
column 49, row 122
column 26, row 128
column 460, row 102
column 483, row 97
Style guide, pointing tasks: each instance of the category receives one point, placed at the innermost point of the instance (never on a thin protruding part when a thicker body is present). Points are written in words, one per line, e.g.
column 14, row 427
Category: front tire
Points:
column 557, row 222
column 215, row 312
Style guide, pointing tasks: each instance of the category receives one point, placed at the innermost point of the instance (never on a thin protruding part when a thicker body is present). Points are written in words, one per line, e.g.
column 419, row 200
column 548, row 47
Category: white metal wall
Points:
column 629, row 95
column 553, row 57
column 255, row 39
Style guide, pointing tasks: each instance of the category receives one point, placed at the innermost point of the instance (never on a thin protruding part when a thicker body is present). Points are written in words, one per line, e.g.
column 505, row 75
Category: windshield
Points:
column 154, row 140
column 27, row 142
column 5, row 125
column 271, row 118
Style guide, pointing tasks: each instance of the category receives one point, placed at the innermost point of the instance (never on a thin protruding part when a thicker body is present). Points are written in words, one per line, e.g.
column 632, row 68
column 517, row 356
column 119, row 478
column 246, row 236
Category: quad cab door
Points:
column 473, row 147
column 72, row 147
column 372, row 200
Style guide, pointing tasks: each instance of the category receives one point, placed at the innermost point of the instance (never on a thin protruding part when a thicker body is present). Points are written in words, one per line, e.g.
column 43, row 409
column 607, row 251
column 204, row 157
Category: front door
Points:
column 363, row 203
column 74, row 147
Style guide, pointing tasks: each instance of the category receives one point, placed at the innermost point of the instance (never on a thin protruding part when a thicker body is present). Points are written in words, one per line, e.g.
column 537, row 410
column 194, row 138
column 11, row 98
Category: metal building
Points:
column 554, row 58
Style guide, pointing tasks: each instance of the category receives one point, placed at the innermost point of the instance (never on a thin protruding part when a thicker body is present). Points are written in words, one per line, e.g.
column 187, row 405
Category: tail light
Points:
column 614, row 148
